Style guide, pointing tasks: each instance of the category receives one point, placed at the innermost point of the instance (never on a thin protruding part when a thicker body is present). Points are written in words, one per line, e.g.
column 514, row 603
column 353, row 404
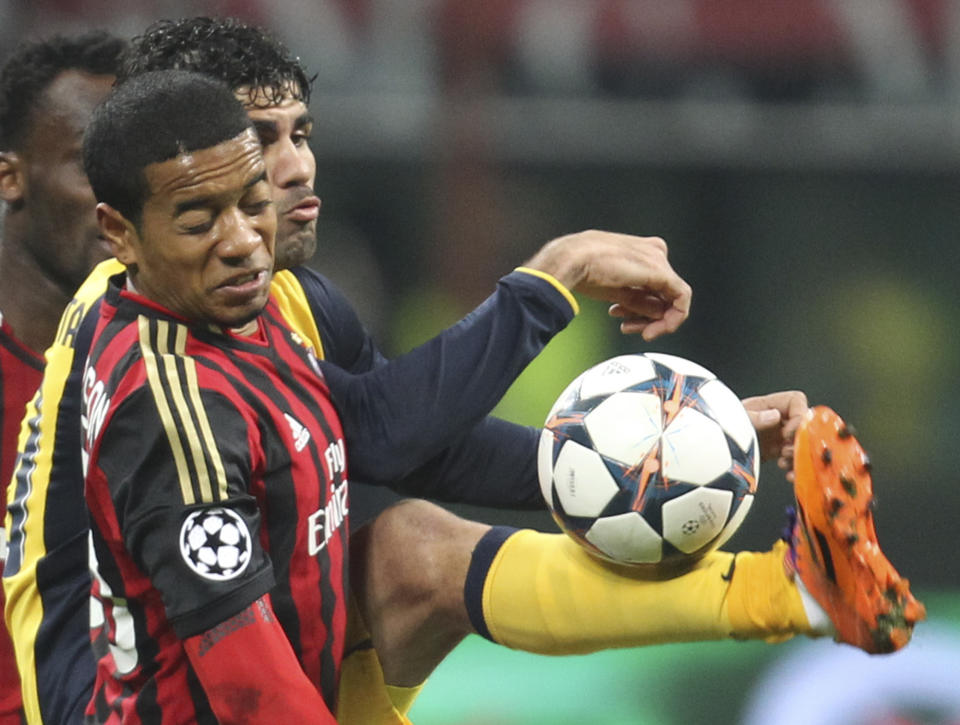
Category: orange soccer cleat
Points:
column 834, row 545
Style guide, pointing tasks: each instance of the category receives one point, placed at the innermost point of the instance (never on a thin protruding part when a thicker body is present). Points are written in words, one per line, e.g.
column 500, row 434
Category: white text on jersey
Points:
column 323, row 523
column 95, row 405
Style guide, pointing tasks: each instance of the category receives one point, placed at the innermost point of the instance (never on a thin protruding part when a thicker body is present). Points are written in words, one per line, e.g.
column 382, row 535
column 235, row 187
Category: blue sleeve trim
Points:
column 561, row 288
column 483, row 555
column 554, row 293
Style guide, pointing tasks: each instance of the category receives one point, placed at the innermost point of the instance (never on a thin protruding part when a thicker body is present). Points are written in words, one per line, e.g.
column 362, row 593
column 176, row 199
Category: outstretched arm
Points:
column 400, row 415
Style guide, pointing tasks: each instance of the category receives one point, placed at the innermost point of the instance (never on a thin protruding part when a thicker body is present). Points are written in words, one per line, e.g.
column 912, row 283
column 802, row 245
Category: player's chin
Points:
column 239, row 314
column 237, row 319
column 295, row 245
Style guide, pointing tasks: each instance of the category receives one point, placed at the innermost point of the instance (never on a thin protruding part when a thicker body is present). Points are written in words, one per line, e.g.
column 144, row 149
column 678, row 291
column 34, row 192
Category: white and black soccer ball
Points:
column 649, row 460
column 215, row 543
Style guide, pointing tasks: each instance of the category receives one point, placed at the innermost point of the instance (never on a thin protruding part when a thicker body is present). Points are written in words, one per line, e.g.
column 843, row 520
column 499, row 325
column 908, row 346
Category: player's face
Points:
column 61, row 224
column 284, row 132
column 204, row 249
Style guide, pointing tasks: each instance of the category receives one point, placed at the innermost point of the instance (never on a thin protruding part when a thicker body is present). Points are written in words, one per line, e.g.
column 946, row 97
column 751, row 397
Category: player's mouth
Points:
column 306, row 210
column 245, row 284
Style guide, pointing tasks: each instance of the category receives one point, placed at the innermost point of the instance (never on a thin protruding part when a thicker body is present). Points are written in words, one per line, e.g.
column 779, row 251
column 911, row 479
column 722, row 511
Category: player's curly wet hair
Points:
column 32, row 66
column 151, row 118
column 240, row 55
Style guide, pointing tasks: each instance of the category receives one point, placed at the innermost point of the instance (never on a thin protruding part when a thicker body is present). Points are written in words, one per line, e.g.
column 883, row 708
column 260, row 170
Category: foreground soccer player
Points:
column 48, row 90
column 216, row 469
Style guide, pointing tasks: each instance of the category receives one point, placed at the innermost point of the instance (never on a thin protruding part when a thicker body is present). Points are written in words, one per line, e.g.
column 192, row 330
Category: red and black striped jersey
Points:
column 20, row 372
column 215, row 473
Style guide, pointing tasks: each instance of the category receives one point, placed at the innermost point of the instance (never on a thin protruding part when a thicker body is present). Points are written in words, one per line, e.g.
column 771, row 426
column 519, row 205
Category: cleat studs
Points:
column 852, row 538
column 883, row 639
column 866, row 463
column 826, row 456
column 836, row 503
column 849, row 485
column 847, row 431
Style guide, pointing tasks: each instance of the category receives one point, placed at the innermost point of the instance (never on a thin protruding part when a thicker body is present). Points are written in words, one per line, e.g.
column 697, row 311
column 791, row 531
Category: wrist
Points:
column 558, row 260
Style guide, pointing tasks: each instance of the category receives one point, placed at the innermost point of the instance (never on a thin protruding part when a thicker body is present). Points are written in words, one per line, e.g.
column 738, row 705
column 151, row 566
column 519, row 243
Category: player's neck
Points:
column 31, row 302
column 248, row 329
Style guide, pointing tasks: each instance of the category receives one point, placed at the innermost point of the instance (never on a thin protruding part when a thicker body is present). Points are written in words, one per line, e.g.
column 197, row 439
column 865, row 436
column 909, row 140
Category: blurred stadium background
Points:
column 801, row 157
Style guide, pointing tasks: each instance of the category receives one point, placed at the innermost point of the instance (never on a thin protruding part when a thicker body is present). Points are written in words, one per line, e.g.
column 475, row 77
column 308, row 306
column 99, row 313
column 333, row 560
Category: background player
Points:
column 49, row 232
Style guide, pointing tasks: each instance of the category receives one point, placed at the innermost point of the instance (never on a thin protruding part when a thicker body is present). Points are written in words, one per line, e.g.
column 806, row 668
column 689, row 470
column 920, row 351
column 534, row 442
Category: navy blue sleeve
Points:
column 399, row 417
column 493, row 465
column 346, row 342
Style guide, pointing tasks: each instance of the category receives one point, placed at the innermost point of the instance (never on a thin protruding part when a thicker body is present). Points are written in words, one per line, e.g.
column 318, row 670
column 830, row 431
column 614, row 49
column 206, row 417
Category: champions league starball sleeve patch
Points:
column 215, row 543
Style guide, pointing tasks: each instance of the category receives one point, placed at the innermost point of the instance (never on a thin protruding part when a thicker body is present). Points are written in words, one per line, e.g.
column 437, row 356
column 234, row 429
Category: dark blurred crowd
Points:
column 763, row 49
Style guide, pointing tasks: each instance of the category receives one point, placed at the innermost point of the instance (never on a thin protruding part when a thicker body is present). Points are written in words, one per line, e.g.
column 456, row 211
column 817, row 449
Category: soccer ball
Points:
column 215, row 543
column 648, row 460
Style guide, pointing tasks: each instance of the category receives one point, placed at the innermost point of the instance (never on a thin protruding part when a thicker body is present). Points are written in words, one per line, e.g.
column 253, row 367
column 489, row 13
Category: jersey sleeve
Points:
column 346, row 342
column 221, row 659
column 178, row 491
column 403, row 414
column 493, row 465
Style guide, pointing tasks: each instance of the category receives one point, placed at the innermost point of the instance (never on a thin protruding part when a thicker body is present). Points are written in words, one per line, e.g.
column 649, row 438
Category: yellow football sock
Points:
column 543, row 593
column 364, row 697
column 403, row 697
column 763, row 602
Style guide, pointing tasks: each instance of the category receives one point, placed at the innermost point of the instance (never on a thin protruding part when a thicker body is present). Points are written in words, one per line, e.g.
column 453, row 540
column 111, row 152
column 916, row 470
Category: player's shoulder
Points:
column 85, row 299
column 95, row 285
column 308, row 302
column 305, row 284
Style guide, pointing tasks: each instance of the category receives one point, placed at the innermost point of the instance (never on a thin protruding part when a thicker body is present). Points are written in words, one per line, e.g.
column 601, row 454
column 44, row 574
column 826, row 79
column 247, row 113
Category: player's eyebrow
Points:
column 267, row 128
column 304, row 119
column 201, row 202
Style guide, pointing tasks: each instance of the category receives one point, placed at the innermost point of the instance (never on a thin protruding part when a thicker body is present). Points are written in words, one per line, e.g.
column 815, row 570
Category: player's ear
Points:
column 119, row 232
column 11, row 177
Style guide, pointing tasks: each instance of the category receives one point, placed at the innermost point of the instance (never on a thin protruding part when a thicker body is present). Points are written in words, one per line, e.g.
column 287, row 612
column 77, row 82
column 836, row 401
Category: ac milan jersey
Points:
column 216, row 474
column 20, row 372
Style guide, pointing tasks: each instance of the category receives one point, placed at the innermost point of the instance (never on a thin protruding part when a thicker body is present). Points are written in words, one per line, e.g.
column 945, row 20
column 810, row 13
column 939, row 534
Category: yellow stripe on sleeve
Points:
column 209, row 442
column 201, row 443
column 166, row 416
column 568, row 295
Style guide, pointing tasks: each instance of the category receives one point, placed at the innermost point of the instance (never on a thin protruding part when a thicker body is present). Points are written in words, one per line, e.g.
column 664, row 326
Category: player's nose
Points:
column 292, row 164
